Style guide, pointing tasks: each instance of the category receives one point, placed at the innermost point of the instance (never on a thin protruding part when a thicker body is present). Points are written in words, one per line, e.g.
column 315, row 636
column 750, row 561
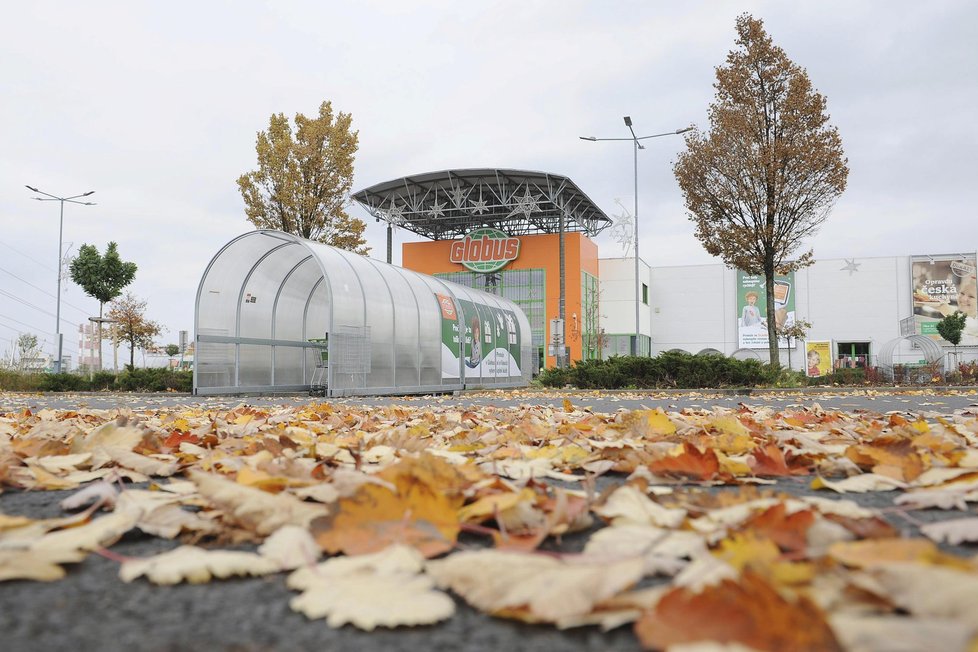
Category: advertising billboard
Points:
column 486, row 338
column 818, row 358
column 941, row 286
column 752, row 308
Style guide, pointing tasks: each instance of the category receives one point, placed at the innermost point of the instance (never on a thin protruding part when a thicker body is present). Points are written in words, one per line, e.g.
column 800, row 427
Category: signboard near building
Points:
column 942, row 285
column 752, row 308
column 818, row 358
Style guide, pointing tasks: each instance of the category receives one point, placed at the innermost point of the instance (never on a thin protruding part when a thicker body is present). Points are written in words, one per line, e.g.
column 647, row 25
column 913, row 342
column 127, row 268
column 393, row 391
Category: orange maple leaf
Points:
column 749, row 611
column 768, row 460
column 788, row 531
column 422, row 512
column 691, row 463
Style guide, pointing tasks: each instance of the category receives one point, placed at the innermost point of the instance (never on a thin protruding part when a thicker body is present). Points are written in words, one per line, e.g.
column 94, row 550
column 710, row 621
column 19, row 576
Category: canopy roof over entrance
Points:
column 448, row 204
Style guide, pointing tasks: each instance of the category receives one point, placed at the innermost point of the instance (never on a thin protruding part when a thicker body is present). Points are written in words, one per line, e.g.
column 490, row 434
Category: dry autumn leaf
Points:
column 533, row 587
column 422, row 512
column 254, row 509
column 691, row 463
column 383, row 589
column 196, row 566
column 749, row 611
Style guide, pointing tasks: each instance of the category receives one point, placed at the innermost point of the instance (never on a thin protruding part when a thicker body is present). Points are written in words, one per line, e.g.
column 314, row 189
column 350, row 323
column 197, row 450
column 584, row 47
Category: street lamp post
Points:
column 71, row 200
column 637, row 145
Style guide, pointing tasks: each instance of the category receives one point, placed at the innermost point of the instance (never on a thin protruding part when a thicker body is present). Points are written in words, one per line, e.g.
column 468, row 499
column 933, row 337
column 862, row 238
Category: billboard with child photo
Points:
column 752, row 308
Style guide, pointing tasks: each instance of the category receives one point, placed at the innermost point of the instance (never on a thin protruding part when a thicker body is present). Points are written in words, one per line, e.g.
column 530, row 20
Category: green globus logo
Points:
column 485, row 250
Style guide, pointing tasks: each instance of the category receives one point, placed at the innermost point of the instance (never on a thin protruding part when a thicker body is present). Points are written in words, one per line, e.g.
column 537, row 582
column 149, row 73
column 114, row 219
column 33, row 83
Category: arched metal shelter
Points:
column 933, row 352
column 709, row 351
column 276, row 313
column 745, row 354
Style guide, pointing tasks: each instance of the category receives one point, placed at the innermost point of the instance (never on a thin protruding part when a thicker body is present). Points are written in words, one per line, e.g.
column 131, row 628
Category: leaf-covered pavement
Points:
column 720, row 525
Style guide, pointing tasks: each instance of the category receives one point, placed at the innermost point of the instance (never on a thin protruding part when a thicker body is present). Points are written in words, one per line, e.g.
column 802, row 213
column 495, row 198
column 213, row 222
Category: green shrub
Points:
column 670, row 369
column 63, row 382
column 19, row 381
column 554, row 377
column 844, row 376
column 102, row 380
column 154, row 380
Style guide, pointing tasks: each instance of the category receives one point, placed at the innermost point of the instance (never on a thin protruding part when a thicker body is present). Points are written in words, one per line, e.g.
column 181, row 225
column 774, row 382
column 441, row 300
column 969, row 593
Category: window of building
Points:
column 852, row 354
column 645, row 294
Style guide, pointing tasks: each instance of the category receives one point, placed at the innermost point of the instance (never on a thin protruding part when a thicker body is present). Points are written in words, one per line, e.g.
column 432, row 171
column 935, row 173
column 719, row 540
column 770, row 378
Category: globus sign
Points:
column 485, row 250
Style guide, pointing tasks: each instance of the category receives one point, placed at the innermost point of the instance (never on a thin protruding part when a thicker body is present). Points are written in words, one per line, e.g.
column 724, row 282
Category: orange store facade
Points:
column 530, row 277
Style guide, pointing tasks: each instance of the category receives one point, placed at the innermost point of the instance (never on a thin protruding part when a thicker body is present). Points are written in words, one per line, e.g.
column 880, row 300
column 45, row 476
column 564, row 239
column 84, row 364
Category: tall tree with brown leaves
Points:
column 767, row 174
column 303, row 180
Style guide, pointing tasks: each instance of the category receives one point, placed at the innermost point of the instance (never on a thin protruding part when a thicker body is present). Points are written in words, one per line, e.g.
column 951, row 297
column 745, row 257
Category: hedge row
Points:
column 135, row 380
column 679, row 370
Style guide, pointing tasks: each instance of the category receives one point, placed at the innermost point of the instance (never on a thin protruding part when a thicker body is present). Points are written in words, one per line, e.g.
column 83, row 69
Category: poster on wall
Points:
column 818, row 358
column 485, row 337
column 451, row 339
column 942, row 285
column 752, row 308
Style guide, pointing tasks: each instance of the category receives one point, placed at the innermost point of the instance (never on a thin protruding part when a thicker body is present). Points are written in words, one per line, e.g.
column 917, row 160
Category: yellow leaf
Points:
column 39, row 565
column 730, row 425
column 873, row 552
column 488, row 506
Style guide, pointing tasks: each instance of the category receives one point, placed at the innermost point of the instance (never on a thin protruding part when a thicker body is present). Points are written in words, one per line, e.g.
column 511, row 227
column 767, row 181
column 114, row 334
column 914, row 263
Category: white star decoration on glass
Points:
column 458, row 196
column 851, row 266
column 623, row 230
column 479, row 207
column 437, row 210
column 526, row 204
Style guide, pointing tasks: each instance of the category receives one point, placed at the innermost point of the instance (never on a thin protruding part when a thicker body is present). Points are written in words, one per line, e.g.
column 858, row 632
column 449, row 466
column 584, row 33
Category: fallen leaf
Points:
column 422, row 513
column 954, row 532
column 38, row 565
column 750, row 612
column 628, row 505
column 254, row 509
column 290, row 547
column 533, row 587
column 691, row 462
column 873, row 633
column 195, row 565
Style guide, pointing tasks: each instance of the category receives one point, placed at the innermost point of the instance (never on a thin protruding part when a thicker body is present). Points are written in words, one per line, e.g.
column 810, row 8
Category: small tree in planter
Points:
column 797, row 330
column 951, row 327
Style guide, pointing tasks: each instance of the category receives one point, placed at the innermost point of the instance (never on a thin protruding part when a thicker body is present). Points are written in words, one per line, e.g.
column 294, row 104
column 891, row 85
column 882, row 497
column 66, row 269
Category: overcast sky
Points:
column 155, row 106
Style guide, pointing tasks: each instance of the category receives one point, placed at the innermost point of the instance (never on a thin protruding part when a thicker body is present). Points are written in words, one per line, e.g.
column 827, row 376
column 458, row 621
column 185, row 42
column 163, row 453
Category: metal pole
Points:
column 57, row 318
column 562, row 350
column 637, row 282
column 390, row 245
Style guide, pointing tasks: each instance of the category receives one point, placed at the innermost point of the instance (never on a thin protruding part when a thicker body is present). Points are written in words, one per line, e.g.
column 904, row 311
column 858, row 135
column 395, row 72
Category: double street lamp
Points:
column 637, row 145
column 71, row 200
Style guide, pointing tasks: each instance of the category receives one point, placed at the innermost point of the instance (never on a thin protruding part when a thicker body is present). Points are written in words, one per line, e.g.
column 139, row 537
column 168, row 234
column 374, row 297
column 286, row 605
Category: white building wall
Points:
column 694, row 307
column 616, row 296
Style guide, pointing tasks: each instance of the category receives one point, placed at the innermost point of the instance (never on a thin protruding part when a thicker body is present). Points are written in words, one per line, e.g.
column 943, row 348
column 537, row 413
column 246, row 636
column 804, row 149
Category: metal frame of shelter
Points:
column 933, row 352
column 450, row 203
column 276, row 313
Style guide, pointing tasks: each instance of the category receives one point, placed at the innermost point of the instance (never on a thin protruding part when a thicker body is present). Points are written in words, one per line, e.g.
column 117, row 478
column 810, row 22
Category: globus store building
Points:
column 522, row 235
column 510, row 233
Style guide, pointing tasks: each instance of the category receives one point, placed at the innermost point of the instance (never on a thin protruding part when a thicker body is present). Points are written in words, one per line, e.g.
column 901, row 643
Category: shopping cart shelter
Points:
column 276, row 313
